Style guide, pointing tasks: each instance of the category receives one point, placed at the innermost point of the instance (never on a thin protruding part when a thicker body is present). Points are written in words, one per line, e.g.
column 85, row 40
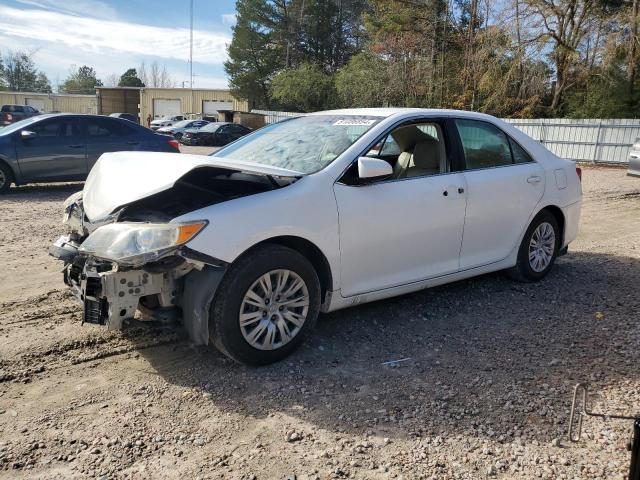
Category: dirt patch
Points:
column 485, row 390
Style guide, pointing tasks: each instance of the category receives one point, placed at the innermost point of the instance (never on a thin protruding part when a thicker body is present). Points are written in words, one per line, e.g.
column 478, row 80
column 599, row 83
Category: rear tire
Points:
column 265, row 305
column 6, row 178
column 538, row 250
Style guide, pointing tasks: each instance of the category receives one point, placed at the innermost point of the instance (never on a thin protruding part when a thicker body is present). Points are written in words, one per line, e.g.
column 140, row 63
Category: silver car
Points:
column 634, row 159
column 177, row 129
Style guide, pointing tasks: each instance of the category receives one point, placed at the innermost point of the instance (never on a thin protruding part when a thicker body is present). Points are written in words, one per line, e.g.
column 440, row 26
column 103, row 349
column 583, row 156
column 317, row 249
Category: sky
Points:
column 114, row 35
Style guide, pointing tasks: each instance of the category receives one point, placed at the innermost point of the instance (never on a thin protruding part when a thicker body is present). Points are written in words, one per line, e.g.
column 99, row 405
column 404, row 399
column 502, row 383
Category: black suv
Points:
column 13, row 113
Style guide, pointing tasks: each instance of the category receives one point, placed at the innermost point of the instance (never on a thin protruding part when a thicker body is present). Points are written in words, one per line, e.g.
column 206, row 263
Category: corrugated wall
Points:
column 52, row 102
column 191, row 101
column 584, row 140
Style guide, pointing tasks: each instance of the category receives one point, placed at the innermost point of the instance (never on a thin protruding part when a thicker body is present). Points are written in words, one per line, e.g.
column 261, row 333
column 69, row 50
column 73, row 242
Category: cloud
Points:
column 91, row 8
column 104, row 37
column 229, row 18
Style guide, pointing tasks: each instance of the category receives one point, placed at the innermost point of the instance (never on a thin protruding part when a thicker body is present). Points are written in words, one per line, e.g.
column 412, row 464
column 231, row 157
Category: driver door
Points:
column 57, row 152
column 403, row 229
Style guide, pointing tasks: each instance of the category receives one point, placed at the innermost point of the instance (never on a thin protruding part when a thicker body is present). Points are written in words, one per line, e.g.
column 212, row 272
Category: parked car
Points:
column 126, row 116
column 178, row 129
column 215, row 134
column 303, row 216
column 64, row 147
column 166, row 121
column 634, row 159
column 14, row 113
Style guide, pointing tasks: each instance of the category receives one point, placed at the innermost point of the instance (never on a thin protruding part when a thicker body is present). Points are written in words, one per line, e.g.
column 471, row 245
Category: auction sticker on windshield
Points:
column 354, row 123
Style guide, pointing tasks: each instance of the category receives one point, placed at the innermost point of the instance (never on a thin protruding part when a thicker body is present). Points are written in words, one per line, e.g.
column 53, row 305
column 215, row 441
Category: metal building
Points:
column 52, row 102
column 160, row 102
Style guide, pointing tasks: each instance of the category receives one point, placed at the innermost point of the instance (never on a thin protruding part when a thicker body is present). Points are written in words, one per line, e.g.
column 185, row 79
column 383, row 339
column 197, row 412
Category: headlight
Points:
column 137, row 243
column 69, row 206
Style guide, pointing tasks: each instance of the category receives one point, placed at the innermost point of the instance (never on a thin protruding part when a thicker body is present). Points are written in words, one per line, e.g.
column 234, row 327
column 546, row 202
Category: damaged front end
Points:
column 128, row 270
column 132, row 261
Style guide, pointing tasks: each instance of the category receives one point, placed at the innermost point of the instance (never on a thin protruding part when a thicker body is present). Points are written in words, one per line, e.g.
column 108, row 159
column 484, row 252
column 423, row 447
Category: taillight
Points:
column 579, row 172
column 8, row 117
column 174, row 143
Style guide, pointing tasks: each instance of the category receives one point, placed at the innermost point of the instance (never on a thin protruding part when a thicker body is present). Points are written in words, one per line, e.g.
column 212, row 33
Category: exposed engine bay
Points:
column 133, row 262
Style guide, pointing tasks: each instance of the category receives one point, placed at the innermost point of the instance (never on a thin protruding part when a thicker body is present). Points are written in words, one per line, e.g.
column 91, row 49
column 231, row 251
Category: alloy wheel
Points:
column 274, row 309
column 542, row 247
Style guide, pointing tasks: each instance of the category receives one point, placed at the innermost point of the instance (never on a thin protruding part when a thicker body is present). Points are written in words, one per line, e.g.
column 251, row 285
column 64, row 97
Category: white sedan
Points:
column 313, row 214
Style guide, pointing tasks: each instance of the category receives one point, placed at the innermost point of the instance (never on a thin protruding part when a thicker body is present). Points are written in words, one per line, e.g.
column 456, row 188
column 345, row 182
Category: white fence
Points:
column 583, row 140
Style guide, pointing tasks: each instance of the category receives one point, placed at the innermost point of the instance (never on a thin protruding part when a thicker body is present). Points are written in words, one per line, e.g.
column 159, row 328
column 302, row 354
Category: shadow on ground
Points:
column 486, row 356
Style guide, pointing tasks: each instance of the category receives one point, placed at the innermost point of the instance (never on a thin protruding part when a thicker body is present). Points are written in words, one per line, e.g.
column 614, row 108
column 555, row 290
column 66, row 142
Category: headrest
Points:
column 426, row 155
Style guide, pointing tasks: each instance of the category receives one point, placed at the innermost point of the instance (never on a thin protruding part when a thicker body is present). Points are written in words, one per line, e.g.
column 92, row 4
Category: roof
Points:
column 388, row 112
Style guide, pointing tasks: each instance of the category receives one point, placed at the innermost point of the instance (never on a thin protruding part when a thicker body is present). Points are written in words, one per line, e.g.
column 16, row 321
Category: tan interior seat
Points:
column 425, row 160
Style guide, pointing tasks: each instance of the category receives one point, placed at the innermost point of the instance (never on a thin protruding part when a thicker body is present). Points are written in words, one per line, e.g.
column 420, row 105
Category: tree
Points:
column 21, row 75
column 306, row 88
column 362, row 82
column 255, row 52
column 111, row 80
column 82, row 81
column 42, row 84
column 155, row 76
column 130, row 79
column 3, row 85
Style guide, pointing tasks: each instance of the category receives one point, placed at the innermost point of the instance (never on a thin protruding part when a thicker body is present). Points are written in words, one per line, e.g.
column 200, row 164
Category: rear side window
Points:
column 519, row 153
column 100, row 127
column 484, row 145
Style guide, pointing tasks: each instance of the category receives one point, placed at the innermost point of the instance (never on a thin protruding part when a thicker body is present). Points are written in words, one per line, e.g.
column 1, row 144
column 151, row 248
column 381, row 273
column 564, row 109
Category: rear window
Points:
column 12, row 108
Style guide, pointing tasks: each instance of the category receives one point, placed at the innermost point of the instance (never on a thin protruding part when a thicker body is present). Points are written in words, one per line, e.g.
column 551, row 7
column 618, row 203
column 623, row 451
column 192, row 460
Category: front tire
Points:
column 6, row 178
column 538, row 250
column 267, row 302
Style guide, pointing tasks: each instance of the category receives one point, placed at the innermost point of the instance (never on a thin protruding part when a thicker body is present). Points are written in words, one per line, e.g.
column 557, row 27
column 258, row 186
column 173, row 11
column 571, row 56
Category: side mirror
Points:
column 373, row 168
column 27, row 134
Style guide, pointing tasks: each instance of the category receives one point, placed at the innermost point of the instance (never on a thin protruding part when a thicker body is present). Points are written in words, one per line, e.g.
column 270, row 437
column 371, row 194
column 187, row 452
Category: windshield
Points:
column 211, row 127
column 182, row 123
column 304, row 144
column 18, row 125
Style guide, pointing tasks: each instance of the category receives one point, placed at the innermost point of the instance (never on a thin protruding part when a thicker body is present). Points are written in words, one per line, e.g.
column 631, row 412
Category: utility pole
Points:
column 191, row 45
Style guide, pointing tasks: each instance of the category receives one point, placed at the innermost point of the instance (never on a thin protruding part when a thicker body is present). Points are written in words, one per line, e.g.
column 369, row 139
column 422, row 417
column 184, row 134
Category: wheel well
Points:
column 6, row 164
column 312, row 253
column 559, row 216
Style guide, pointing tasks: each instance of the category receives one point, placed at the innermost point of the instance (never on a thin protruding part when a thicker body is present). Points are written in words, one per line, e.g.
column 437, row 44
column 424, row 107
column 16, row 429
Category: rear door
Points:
column 106, row 134
column 56, row 153
column 504, row 185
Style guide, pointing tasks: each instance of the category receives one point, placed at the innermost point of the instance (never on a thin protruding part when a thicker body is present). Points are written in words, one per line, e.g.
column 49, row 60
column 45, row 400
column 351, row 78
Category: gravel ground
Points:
column 484, row 391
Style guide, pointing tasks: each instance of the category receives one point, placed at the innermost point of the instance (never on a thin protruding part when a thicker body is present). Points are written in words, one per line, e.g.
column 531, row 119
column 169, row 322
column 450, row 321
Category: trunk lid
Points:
column 120, row 178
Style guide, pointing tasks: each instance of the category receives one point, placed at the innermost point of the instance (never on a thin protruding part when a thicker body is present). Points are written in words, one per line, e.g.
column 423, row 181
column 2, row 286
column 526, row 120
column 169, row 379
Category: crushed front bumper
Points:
column 110, row 295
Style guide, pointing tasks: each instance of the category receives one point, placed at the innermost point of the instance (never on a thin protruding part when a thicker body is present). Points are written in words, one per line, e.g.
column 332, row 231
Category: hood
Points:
column 191, row 130
column 165, row 129
column 120, row 178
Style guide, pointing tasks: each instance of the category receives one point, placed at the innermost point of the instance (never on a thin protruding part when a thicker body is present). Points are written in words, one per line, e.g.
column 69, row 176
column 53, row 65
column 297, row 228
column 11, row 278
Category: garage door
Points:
column 211, row 107
column 164, row 107
column 37, row 103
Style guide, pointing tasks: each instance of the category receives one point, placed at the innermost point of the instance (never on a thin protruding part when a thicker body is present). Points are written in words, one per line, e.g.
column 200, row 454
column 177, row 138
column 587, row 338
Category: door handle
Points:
column 534, row 179
column 75, row 146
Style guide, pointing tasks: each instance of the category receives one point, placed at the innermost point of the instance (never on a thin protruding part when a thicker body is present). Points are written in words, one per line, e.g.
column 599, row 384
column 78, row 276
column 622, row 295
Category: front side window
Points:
column 57, row 128
column 304, row 144
column 484, row 144
column 414, row 150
